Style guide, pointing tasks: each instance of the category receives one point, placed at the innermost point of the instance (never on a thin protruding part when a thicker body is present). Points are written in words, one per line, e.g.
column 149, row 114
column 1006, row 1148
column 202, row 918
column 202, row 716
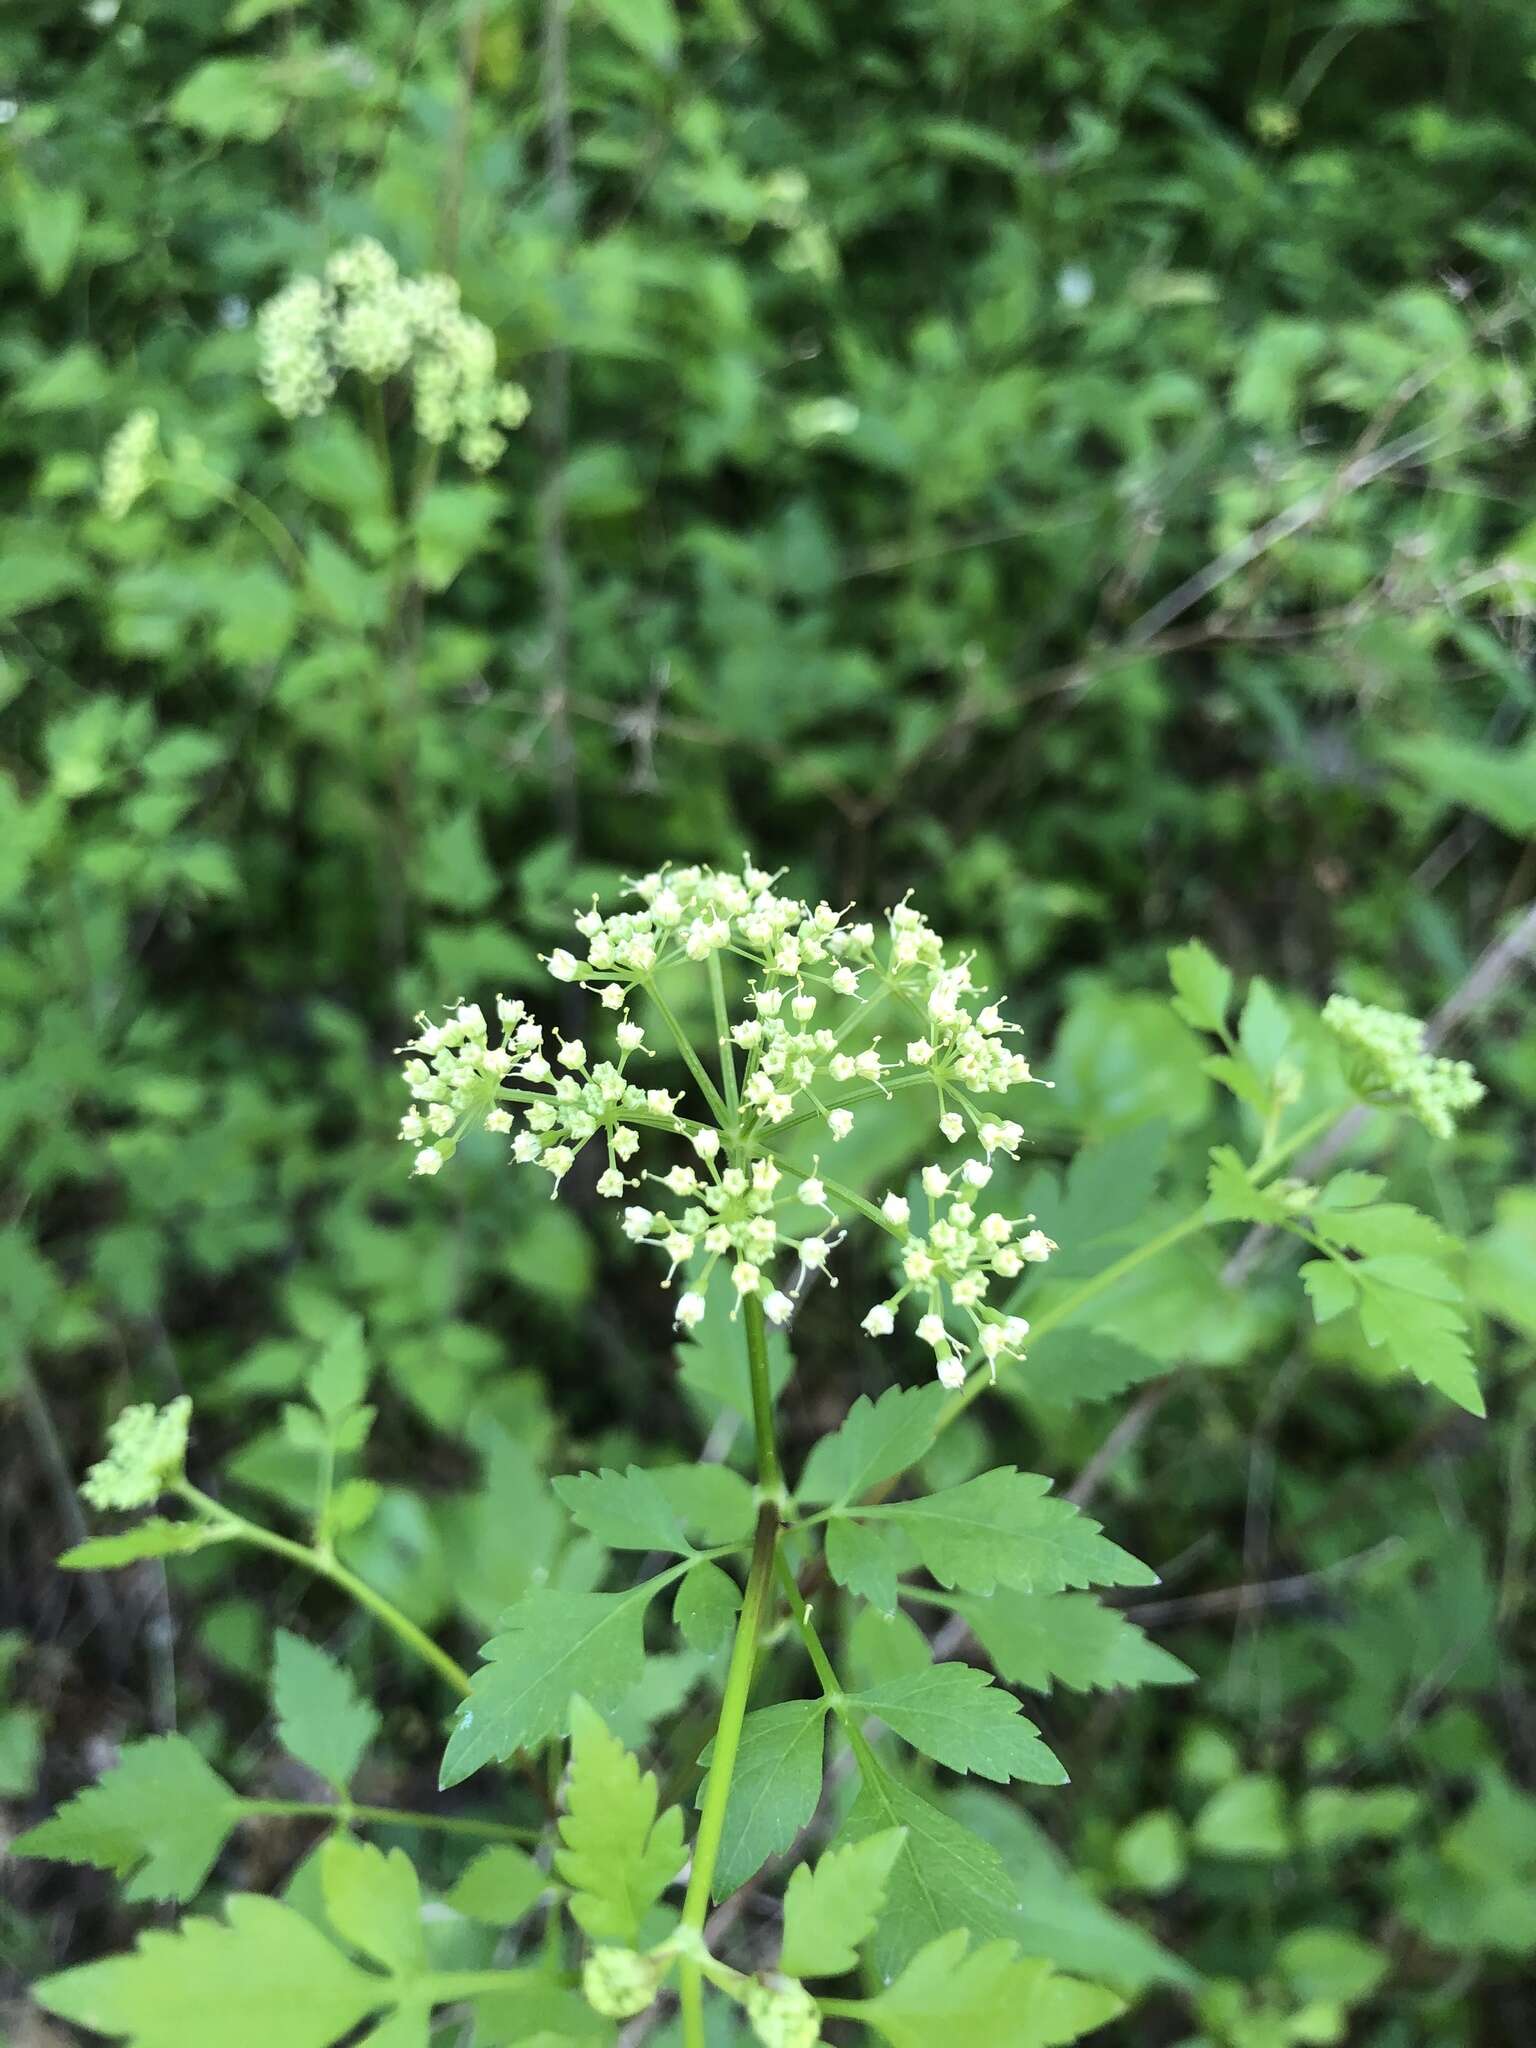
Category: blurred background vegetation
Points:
column 1072, row 461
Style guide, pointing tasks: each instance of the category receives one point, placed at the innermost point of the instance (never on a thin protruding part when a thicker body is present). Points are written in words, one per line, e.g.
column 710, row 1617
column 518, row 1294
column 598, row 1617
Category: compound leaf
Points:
column 322, row 1719
column 619, row 1853
column 158, row 1819
column 831, row 1908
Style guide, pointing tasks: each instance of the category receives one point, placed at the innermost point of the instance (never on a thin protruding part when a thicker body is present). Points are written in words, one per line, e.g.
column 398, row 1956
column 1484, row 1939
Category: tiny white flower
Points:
column 952, row 1126
column 611, row 1183
column 572, row 1053
column 765, row 1176
column 919, row 1052
column 1035, row 1247
column 428, row 1159
column 659, row 1102
column 935, row 1182
column 629, row 1034
column 525, row 1148
column 951, row 1369
column 498, row 1120
column 778, row 1308
column 746, row 1278
column 706, row 1143
column 563, row 965
column 813, row 1252
column 690, row 1310
column 803, row 1007
column 611, row 997
column 812, row 1191
column 637, row 1222
column 840, row 1123
column 845, row 981
column 682, row 1180
column 976, row 1172
column 932, row 1331
column 896, row 1209
column 879, row 1322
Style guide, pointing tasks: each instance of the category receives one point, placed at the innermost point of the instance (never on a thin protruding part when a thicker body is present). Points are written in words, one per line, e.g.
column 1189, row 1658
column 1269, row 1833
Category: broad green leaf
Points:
column 987, row 1997
column 876, row 1440
column 705, row 1609
column 1069, row 1367
column 1263, row 1030
column 1150, row 1854
column 619, row 1853
column 553, row 1644
column 774, row 1788
column 322, row 1719
column 829, row 1910
column 340, row 1377
column 1349, row 1190
column 499, row 1887
column 956, row 1715
column 1338, row 1816
column 49, row 219
column 866, row 1558
column 158, row 1819
column 262, row 1975
column 1001, row 1528
column 710, row 1500
column 1245, row 1818
column 1037, row 1638
column 229, row 97
column 1330, row 1287
column 624, row 1510
column 155, row 1537
column 944, row 1876
column 648, row 26
column 1202, row 986
column 1107, row 1189
column 1329, row 1963
column 1382, row 1229
column 1499, row 782
column 373, row 1901
column 1422, row 1335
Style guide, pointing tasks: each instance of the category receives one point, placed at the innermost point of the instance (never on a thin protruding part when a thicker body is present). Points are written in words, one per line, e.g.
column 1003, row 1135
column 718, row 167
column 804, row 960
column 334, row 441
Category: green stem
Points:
column 717, row 1791
column 346, row 1812
column 723, row 1037
column 691, row 1059
column 821, row 1663
column 323, row 1567
column 769, row 1475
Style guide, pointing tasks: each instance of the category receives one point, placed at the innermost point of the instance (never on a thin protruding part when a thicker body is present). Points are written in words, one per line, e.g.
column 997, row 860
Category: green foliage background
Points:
column 1069, row 461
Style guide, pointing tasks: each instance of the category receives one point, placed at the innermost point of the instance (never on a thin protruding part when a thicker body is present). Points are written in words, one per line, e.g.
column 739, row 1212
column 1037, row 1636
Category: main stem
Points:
column 738, row 1677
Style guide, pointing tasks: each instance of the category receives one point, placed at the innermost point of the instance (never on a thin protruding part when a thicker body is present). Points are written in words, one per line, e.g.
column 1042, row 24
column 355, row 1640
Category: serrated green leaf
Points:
column 830, row 1910
column 552, row 1644
column 774, row 1788
column 499, row 1887
column 155, row 1537
column 1069, row 1367
column 987, row 1997
column 1233, row 1196
column 705, row 1609
column 322, row 1719
column 1108, row 1187
column 619, row 1853
column 956, row 1715
column 876, row 1440
column 373, row 1901
column 1001, row 1528
column 866, row 1558
column 1425, row 1337
column 1330, row 1288
column 711, row 1500
column 264, row 1972
column 942, row 1877
column 1386, row 1228
column 1202, row 986
column 340, row 1377
column 624, row 1510
column 158, row 1819
column 1035, row 1638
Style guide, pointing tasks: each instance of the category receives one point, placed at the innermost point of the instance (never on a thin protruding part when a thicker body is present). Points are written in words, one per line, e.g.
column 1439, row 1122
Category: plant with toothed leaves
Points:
column 896, row 1919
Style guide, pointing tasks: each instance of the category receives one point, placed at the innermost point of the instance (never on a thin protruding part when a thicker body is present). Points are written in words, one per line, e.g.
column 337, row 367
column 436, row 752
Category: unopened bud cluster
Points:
column 146, row 1451
column 363, row 315
column 948, row 1270
column 1385, row 1058
column 126, row 463
column 804, row 1052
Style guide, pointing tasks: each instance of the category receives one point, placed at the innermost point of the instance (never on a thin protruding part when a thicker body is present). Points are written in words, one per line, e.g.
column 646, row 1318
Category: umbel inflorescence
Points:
column 363, row 315
column 804, row 1053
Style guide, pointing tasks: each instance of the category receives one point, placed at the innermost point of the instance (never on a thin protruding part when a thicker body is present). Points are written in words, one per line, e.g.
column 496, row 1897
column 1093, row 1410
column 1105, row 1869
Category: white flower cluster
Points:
column 364, row 316
column 1384, row 1057
column 951, row 1268
column 805, row 1051
column 125, row 463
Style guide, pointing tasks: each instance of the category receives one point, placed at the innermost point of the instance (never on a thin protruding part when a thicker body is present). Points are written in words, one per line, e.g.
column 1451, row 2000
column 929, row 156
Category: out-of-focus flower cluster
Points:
column 126, row 463
column 363, row 315
column 146, row 1450
column 805, row 1052
column 1385, row 1059
column 948, row 1270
